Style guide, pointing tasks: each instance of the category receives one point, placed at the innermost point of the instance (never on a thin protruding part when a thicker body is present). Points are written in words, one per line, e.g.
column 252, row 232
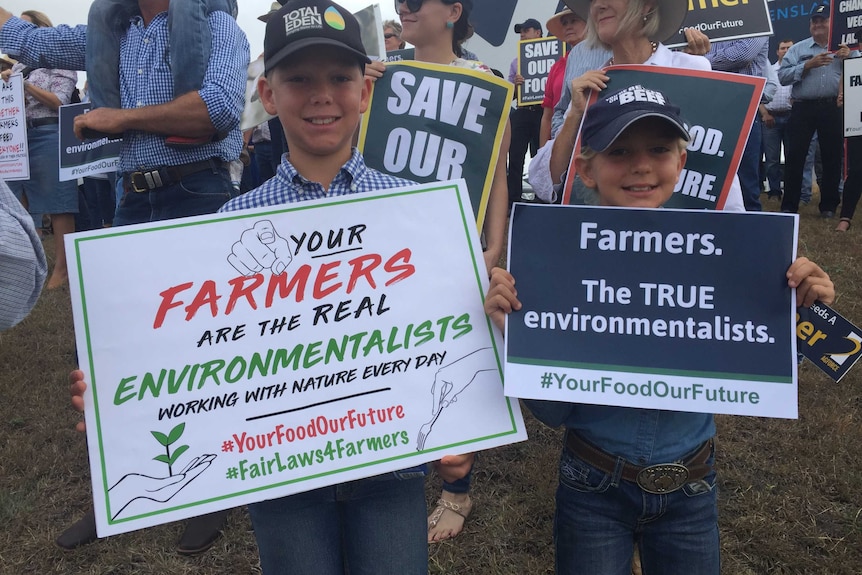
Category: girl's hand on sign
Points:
column 502, row 297
column 811, row 283
column 454, row 467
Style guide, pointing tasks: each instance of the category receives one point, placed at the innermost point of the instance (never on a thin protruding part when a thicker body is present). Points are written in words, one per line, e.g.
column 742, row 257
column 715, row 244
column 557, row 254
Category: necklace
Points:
column 654, row 46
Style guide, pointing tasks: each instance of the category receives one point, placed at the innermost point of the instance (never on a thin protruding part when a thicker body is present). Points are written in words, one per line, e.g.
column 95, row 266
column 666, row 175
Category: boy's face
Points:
column 318, row 94
column 639, row 169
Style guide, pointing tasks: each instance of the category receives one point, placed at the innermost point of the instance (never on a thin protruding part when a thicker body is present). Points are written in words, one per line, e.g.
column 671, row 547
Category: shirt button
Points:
column 140, row 71
column 139, row 104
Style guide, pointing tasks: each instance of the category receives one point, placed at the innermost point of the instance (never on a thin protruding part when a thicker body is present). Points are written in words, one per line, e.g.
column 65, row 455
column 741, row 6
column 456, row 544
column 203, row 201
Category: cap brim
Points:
column 672, row 14
column 298, row 45
column 613, row 129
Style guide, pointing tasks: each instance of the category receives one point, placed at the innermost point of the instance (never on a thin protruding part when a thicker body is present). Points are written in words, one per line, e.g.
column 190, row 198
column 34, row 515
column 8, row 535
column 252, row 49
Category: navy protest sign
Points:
column 826, row 338
column 725, row 20
column 535, row 59
column 80, row 159
column 845, row 24
column 424, row 118
column 663, row 309
column 718, row 108
column 400, row 55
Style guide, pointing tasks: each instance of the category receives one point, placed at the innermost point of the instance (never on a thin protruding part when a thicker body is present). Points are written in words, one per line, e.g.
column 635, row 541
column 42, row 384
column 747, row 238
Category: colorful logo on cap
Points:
column 334, row 18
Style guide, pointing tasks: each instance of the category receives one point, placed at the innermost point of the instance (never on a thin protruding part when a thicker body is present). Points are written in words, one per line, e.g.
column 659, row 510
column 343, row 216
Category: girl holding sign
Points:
column 437, row 28
column 635, row 474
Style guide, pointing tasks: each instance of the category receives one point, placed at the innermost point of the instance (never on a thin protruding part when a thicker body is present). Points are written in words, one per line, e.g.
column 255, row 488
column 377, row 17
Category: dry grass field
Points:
column 790, row 491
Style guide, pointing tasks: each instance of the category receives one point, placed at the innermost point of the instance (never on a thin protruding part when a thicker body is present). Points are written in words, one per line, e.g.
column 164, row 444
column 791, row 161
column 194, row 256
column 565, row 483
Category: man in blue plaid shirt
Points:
column 159, row 182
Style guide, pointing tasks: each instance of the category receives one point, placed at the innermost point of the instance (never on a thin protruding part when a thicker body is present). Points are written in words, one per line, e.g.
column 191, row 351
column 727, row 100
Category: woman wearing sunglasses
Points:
column 392, row 36
column 437, row 29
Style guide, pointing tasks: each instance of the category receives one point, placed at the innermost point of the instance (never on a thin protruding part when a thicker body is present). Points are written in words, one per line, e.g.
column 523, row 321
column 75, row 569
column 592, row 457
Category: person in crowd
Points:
column 569, row 28
column 775, row 136
column 526, row 120
column 814, row 74
column 750, row 57
column 437, row 29
column 374, row 525
column 190, row 42
column 22, row 261
column 45, row 90
column 601, row 506
column 632, row 39
column 159, row 182
column 853, row 183
column 392, row 36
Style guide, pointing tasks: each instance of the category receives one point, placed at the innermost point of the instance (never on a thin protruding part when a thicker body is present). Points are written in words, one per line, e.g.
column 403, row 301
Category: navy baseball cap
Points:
column 303, row 23
column 528, row 23
column 609, row 116
column 821, row 11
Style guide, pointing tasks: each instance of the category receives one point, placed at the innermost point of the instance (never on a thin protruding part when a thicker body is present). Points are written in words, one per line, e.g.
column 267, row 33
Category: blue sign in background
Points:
column 748, row 277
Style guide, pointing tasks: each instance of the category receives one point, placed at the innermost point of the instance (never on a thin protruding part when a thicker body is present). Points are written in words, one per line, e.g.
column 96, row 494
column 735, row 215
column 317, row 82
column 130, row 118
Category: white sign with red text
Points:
column 259, row 353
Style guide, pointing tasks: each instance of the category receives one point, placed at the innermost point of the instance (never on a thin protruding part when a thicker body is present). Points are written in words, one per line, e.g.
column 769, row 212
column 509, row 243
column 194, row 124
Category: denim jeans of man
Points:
column 749, row 168
column 374, row 526
column 196, row 194
column 773, row 139
column 825, row 119
column 108, row 20
column 600, row 516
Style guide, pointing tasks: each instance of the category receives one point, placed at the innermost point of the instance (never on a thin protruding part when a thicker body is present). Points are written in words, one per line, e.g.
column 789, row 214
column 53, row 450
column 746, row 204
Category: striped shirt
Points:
column 146, row 80
column 22, row 261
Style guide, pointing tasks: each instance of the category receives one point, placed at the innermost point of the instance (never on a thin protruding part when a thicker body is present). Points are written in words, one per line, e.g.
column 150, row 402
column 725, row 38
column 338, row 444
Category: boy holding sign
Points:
column 633, row 474
column 314, row 81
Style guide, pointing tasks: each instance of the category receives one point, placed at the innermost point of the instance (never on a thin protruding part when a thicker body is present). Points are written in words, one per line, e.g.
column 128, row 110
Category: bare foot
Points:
column 57, row 280
column 447, row 519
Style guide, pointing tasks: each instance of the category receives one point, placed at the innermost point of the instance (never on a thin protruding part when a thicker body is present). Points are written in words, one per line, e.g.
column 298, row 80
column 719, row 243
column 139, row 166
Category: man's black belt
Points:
column 36, row 122
column 148, row 180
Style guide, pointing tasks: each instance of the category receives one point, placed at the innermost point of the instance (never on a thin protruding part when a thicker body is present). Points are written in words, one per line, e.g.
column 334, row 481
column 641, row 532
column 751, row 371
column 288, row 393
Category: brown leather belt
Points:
column 658, row 479
column 148, row 180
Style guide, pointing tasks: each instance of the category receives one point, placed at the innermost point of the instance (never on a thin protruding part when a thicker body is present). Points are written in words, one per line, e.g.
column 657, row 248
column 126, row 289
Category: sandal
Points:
column 448, row 518
column 843, row 225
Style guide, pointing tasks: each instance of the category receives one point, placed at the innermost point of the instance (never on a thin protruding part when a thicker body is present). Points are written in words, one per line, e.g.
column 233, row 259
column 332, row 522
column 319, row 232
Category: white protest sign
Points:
column 14, row 155
column 362, row 349
column 853, row 97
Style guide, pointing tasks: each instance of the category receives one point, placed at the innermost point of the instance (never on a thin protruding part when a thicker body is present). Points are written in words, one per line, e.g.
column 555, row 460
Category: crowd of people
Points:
column 181, row 134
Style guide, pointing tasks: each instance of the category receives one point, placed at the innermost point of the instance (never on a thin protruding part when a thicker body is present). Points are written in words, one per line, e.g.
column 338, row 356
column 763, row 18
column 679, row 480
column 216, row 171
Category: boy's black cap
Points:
column 608, row 117
column 528, row 23
column 303, row 23
column 821, row 11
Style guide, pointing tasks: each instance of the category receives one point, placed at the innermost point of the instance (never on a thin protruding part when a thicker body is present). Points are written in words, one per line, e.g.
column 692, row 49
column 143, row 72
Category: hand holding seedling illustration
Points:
column 134, row 487
column 450, row 380
column 260, row 248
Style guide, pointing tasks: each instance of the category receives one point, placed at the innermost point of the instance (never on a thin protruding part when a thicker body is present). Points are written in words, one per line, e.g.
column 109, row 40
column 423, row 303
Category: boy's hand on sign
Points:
column 811, row 283
column 77, row 387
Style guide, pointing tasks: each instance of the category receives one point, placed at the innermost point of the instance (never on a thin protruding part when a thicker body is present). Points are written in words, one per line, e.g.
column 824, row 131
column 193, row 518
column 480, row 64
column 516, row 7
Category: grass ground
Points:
column 790, row 491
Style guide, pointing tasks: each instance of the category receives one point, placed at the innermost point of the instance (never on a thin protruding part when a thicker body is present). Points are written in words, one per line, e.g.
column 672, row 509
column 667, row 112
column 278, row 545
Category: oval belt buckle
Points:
column 662, row 478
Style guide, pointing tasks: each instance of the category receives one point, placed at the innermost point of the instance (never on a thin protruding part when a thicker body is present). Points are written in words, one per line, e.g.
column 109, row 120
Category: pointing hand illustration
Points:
column 260, row 248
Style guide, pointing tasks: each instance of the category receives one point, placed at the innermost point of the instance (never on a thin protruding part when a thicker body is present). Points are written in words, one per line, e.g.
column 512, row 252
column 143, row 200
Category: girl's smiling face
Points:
column 639, row 169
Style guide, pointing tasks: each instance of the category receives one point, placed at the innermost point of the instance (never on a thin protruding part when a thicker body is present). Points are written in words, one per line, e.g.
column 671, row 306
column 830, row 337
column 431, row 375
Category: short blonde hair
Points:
column 40, row 19
column 633, row 22
column 396, row 26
